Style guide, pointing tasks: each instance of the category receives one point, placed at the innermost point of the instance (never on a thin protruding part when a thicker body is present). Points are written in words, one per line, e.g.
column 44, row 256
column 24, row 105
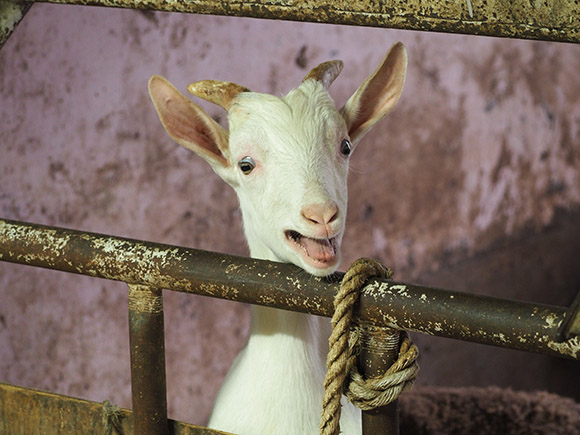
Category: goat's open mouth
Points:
column 317, row 252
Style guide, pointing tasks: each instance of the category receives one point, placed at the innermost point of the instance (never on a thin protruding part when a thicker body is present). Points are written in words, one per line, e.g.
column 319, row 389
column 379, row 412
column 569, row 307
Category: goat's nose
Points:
column 320, row 214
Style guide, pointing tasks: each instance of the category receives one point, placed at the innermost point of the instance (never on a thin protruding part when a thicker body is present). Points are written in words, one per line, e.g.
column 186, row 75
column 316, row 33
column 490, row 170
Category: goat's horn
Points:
column 325, row 72
column 214, row 91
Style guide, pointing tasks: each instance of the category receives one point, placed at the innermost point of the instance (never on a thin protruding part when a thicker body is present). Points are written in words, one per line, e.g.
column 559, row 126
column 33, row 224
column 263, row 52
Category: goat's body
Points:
column 276, row 383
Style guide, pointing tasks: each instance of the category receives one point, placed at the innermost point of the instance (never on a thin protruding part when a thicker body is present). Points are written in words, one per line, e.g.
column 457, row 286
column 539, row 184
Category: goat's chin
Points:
column 320, row 269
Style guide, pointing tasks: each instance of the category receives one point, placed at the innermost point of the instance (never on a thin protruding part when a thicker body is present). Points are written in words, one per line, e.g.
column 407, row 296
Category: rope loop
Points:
column 344, row 346
column 371, row 393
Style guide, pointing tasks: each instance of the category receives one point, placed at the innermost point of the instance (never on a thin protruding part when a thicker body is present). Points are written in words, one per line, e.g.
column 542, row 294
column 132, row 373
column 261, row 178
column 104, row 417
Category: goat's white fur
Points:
column 299, row 183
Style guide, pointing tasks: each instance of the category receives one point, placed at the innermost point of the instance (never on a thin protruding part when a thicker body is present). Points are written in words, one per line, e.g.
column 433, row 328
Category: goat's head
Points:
column 287, row 158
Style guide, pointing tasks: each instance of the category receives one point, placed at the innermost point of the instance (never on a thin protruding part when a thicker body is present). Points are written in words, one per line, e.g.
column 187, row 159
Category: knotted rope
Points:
column 344, row 343
column 371, row 393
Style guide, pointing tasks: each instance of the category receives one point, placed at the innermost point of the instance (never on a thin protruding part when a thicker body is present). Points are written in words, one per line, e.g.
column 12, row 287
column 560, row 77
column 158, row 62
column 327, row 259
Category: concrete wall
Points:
column 473, row 183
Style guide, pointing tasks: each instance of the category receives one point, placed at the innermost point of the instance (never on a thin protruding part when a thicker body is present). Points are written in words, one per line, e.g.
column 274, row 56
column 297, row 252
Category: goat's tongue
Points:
column 318, row 249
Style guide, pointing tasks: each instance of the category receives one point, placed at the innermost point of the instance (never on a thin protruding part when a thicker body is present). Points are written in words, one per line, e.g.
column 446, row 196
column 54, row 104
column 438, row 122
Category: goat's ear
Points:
column 377, row 95
column 189, row 125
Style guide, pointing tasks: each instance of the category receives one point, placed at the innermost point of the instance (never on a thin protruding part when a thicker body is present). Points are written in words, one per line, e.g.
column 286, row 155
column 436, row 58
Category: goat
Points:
column 287, row 158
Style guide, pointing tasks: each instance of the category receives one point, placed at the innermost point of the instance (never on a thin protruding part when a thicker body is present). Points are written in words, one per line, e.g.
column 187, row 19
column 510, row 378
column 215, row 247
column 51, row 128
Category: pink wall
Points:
column 475, row 175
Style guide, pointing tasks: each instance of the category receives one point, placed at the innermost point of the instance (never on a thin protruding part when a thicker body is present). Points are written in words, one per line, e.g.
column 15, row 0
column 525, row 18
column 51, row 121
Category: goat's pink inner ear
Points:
column 378, row 94
column 187, row 123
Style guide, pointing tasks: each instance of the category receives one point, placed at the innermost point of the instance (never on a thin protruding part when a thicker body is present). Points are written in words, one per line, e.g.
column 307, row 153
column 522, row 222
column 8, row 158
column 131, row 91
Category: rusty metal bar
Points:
column 11, row 13
column 147, row 342
column 462, row 316
column 379, row 350
column 24, row 411
column 544, row 20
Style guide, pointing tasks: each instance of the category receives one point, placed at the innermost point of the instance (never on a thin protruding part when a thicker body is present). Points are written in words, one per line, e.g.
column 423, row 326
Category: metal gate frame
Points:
column 149, row 267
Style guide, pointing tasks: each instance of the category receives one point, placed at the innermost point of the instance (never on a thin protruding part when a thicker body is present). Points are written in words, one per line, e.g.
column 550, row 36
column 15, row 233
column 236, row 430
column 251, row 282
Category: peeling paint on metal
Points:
column 143, row 299
column 401, row 290
column 232, row 268
column 294, row 282
column 500, row 337
column 569, row 347
column 552, row 322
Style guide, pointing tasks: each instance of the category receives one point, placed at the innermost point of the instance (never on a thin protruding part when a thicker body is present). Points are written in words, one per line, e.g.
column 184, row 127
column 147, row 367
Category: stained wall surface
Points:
column 472, row 183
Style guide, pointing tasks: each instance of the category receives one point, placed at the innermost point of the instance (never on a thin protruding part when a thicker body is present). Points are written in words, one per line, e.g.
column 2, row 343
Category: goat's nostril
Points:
column 330, row 213
column 320, row 214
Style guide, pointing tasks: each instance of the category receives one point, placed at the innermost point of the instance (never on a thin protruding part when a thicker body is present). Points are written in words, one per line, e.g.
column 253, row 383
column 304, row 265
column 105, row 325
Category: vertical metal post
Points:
column 379, row 350
column 146, row 337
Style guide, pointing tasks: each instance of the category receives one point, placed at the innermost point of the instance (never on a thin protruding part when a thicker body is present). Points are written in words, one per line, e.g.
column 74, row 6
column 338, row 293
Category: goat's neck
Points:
column 281, row 370
column 269, row 322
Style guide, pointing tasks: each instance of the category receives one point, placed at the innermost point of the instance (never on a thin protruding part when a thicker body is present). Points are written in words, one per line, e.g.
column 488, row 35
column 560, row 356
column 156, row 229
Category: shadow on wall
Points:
column 540, row 267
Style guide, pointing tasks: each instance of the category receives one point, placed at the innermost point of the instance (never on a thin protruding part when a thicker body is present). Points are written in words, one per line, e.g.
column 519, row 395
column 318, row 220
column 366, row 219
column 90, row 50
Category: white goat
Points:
column 287, row 159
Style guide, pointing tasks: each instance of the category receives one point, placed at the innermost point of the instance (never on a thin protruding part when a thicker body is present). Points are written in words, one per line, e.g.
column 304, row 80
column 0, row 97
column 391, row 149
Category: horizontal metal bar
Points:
column 462, row 316
column 545, row 20
column 24, row 411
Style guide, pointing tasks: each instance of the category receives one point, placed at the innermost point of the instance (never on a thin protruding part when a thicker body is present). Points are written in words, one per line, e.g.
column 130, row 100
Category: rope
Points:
column 342, row 355
column 112, row 416
column 372, row 393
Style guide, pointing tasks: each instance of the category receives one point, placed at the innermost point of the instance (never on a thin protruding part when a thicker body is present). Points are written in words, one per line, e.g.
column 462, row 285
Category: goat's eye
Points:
column 345, row 147
column 247, row 165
